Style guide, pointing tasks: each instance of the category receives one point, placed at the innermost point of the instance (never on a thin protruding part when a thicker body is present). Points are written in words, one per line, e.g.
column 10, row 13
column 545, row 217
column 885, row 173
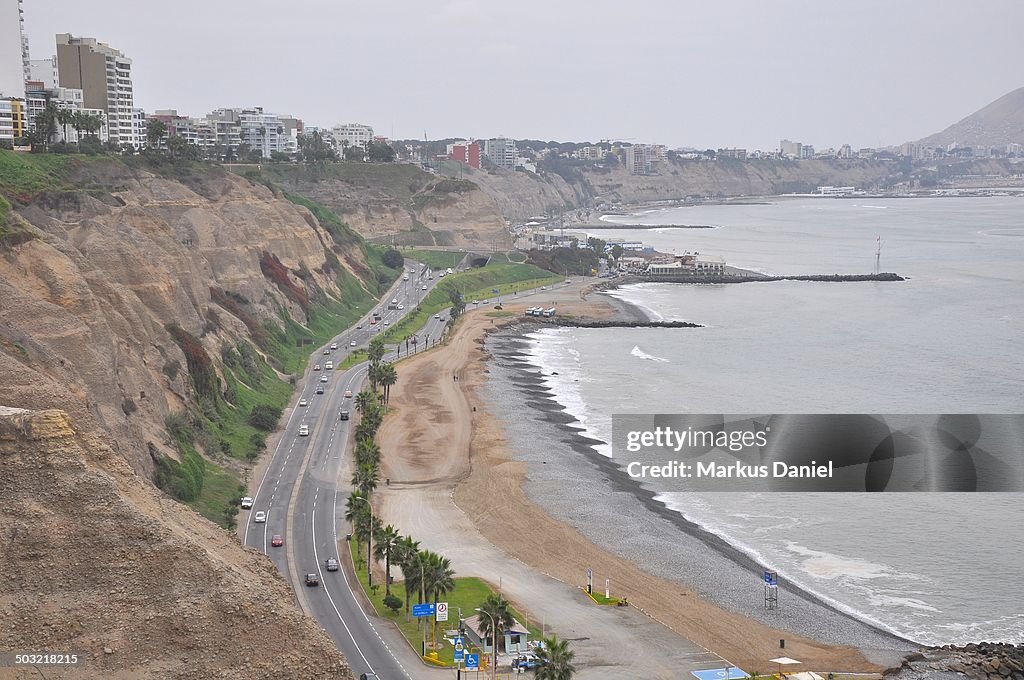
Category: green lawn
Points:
column 599, row 598
column 469, row 593
column 23, row 175
column 356, row 357
column 475, row 284
column 435, row 259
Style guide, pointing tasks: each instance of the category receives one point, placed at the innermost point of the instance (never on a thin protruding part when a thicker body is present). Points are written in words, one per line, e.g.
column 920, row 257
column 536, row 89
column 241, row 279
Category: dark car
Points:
column 343, row 415
column 312, row 580
column 331, row 564
column 319, row 389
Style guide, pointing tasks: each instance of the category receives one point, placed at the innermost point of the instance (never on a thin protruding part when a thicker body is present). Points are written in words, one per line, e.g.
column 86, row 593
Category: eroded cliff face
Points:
column 96, row 561
column 84, row 304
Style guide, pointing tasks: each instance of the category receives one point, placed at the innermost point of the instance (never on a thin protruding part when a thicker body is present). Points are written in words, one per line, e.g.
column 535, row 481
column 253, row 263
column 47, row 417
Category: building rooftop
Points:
column 473, row 623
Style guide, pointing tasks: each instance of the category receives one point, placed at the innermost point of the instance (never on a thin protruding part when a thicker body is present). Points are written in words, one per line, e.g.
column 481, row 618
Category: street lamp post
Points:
column 494, row 641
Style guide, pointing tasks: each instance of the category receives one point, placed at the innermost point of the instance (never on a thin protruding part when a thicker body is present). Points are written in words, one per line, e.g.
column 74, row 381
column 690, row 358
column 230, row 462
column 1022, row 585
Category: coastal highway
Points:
column 304, row 488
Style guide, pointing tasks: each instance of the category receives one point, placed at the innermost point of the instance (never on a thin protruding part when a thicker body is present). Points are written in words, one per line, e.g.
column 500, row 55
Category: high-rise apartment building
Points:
column 13, row 50
column 790, row 149
column 637, row 159
column 351, row 134
column 43, row 71
column 502, row 152
column 467, row 153
column 104, row 75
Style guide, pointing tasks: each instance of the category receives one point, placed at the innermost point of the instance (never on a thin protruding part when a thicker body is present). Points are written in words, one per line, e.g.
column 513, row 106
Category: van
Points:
column 303, row 430
column 329, row 366
column 343, row 415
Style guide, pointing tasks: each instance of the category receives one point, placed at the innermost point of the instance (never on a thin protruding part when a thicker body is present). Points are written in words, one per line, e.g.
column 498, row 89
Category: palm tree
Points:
column 64, row 117
column 46, row 122
column 440, row 580
column 407, row 557
column 365, row 402
column 356, row 509
column 367, row 452
column 374, row 375
column 387, row 548
column 375, row 351
column 556, row 660
column 365, row 478
column 388, row 377
column 499, row 620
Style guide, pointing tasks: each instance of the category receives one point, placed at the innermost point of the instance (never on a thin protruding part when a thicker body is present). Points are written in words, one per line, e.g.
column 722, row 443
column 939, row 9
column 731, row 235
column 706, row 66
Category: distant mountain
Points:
column 998, row 124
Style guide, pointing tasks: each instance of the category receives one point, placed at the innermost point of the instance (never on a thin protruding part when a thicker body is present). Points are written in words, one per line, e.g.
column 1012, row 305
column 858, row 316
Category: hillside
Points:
column 998, row 124
column 97, row 562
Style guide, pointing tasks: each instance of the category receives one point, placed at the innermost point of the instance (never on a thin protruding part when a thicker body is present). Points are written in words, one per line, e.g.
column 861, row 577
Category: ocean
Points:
column 935, row 568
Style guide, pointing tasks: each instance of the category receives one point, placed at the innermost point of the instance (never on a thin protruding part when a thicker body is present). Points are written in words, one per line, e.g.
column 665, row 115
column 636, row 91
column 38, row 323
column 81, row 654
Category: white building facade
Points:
column 13, row 50
column 351, row 134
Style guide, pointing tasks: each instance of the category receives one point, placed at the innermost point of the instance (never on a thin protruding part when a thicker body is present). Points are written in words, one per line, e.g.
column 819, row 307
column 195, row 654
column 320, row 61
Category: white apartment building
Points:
column 591, row 153
column 502, row 152
column 139, row 126
column 44, row 71
column 104, row 76
column 13, row 50
column 790, row 149
column 351, row 134
column 637, row 159
column 64, row 99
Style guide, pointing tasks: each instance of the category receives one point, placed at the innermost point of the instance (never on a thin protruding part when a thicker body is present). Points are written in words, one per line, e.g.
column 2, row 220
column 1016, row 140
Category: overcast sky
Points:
column 706, row 74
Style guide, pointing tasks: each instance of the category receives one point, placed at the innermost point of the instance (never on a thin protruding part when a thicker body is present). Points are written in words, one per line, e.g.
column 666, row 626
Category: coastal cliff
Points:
column 99, row 563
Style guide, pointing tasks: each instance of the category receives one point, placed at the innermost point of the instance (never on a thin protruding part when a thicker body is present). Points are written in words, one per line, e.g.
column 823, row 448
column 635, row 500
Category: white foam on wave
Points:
column 551, row 352
column 640, row 354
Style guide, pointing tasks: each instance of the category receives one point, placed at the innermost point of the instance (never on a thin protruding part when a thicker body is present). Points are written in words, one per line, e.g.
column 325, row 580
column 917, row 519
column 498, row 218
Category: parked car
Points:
column 277, row 541
column 528, row 660
column 312, row 580
column 331, row 564
column 260, row 517
column 246, row 502
column 303, row 402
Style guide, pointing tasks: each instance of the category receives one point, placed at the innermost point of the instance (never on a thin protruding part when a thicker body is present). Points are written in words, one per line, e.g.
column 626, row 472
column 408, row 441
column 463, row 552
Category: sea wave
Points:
column 640, row 354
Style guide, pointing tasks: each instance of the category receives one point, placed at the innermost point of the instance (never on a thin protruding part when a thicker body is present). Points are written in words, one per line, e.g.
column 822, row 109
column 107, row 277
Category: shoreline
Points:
column 551, row 547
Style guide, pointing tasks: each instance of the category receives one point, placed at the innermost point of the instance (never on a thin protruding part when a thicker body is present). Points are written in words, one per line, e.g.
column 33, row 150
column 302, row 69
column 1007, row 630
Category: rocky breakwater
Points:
column 978, row 661
column 97, row 562
column 579, row 322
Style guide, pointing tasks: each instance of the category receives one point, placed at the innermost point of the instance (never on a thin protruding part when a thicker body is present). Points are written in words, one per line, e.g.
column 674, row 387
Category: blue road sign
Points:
column 771, row 578
column 428, row 609
column 731, row 673
column 472, row 662
column 460, row 648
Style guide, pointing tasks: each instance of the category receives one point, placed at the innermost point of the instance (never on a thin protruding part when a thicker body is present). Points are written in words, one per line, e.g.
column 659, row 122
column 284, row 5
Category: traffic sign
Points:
column 424, row 609
column 460, row 648
column 441, row 611
column 472, row 662
column 771, row 578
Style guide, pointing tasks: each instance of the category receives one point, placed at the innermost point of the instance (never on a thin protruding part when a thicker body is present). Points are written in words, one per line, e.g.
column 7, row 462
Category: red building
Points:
column 467, row 153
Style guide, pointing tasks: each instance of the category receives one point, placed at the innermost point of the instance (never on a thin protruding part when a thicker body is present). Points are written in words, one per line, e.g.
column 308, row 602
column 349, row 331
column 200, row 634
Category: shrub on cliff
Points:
column 265, row 417
column 200, row 366
column 272, row 268
column 392, row 258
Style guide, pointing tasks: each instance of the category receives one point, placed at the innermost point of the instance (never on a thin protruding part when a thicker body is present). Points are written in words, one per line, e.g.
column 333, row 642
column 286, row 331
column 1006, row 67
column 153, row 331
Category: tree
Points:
column 387, row 376
column 279, row 156
column 176, row 146
column 65, row 117
column 387, row 547
column 155, row 131
column 392, row 258
column 391, row 602
column 46, row 123
column 380, row 152
column 367, row 452
column 354, row 153
column 407, row 558
column 596, row 244
column 365, row 402
column 458, row 304
column 556, row 660
column 365, row 478
column 439, row 580
column 496, row 617
column 375, row 351
column 616, row 251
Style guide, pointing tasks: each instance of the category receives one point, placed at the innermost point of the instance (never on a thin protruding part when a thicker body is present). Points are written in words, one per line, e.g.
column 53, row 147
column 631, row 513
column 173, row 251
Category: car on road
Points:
column 348, row 394
column 343, row 415
column 331, row 564
column 334, row 345
column 319, row 389
column 327, row 352
column 352, row 344
column 277, row 541
column 423, row 288
column 394, row 301
column 329, row 366
column 303, row 430
column 373, row 322
column 316, row 367
column 401, row 307
column 246, row 503
column 303, row 402
column 260, row 517
column 323, row 378
column 312, row 580
column 387, row 323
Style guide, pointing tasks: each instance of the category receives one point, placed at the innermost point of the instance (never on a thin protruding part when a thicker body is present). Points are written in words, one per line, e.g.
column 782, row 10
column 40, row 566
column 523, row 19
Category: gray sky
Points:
column 707, row 74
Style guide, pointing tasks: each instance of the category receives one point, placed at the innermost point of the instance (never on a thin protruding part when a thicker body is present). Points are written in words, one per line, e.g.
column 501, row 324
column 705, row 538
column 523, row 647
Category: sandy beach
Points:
column 458, row 488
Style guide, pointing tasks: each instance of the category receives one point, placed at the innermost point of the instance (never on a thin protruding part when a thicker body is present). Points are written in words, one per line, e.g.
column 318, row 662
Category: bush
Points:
column 200, row 367
column 393, row 602
column 265, row 417
column 392, row 258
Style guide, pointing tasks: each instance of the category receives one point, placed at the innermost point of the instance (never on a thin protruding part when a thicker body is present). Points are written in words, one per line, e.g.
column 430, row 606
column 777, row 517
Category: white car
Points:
column 401, row 307
column 246, row 502
column 260, row 517
column 329, row 366
column 303, row 402
column 352, row 344
column 423, row 288
column 387, row 323
column 323, row 378
column 437, row 316
column 334, row 345
column 394, row 301
column 303, row 430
